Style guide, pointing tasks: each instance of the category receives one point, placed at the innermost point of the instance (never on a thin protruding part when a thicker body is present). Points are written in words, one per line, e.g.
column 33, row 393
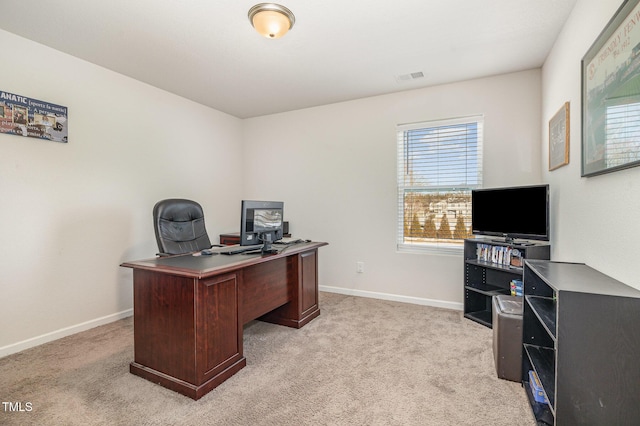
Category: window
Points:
column 439, row 163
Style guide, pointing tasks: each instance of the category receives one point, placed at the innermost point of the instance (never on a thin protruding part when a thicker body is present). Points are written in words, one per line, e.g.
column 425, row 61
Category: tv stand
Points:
column 486, row 276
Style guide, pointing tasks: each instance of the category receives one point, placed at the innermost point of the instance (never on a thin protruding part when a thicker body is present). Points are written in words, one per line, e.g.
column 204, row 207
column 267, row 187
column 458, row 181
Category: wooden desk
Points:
column 189, row 311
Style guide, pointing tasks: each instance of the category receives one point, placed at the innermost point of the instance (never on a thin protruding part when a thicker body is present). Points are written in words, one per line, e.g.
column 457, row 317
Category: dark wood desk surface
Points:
column 204, row 266
column 189, row 311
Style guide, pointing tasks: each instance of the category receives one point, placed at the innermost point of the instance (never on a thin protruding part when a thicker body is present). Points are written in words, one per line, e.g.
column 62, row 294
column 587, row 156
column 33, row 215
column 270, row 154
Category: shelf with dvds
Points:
column 581, row 343
column 493, row 267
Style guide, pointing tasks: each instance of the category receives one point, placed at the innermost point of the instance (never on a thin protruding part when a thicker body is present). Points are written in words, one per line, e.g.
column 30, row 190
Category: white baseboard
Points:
column 394, row 297
column 63, row 332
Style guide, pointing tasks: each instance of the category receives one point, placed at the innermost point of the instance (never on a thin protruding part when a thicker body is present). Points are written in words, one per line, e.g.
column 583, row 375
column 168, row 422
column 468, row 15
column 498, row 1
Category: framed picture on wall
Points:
column 559, row 138
column 33, row 118
column 611, row 95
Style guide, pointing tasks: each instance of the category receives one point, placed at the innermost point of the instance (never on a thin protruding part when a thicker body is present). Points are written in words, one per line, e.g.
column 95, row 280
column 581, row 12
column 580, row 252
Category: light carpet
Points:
column 361, row 362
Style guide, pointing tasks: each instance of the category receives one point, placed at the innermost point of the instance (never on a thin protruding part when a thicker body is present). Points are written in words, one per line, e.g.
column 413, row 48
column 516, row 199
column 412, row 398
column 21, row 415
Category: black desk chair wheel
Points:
column 179, row 227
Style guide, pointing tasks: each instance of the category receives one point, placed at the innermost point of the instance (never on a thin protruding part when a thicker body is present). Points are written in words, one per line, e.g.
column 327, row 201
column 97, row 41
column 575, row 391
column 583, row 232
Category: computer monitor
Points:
column 261, row 223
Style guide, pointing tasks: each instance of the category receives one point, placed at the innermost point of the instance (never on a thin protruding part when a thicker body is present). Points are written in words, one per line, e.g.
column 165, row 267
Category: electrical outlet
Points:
column 359, row 267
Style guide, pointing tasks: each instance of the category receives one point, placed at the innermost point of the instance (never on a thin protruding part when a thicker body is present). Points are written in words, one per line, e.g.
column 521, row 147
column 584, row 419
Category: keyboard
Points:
column 240, row 249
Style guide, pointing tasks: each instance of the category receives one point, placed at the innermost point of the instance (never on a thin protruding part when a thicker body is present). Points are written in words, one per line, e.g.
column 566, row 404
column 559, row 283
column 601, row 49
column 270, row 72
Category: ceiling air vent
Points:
column 408, row 77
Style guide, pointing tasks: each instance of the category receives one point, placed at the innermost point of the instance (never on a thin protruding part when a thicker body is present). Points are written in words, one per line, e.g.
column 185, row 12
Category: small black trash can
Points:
column 507, row 336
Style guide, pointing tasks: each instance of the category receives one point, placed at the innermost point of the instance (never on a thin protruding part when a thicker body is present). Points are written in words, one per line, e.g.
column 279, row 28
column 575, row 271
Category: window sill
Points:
column 440, row 250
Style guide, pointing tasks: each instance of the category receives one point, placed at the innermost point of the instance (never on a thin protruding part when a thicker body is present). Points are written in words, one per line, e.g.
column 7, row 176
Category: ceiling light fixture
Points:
column 271, row 20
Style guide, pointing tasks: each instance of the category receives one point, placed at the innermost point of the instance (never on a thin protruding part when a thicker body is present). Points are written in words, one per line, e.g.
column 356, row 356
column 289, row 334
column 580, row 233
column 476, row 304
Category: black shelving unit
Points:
column 581, row 336
column 484, row 279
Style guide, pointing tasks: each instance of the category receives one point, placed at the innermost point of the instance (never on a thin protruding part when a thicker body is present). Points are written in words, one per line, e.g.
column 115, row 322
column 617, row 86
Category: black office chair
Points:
column 179, row 226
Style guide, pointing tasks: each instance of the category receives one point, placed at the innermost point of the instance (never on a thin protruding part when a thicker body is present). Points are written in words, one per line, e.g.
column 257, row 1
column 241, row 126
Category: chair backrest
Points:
column 179, row 226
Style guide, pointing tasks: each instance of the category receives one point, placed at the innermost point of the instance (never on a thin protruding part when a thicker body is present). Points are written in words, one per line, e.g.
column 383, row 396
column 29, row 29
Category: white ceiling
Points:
column 338, row 50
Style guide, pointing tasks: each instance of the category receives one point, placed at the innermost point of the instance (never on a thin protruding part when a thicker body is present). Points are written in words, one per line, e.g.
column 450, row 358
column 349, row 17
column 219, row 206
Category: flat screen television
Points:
column 513, row 212
column 261, row 223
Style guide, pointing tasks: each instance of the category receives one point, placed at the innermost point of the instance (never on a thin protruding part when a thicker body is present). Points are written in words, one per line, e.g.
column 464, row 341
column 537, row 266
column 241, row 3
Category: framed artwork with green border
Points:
column 611, row 95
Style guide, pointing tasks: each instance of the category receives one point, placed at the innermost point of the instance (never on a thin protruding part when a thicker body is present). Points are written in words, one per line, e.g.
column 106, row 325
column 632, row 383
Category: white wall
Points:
column 71, row 213
column 594, row 220
column 335, row 168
